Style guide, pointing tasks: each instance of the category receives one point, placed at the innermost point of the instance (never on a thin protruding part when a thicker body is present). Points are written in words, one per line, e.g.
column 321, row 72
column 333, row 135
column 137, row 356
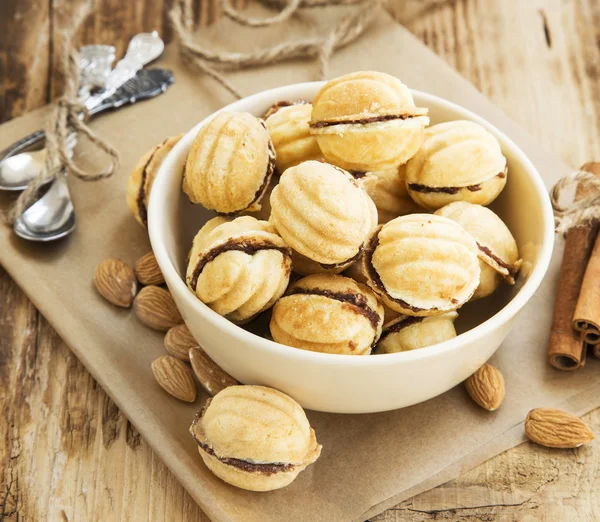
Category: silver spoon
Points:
column 53, row 216
column 143, row 48
column 18, row 168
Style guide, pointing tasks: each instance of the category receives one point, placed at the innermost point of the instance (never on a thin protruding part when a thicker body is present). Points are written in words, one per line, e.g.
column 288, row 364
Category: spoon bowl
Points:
column 50, row 217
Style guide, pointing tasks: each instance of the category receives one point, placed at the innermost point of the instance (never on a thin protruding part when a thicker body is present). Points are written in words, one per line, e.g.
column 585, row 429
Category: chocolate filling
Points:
column 337, row 265
column 246, row 245
column 376, row 280
column 280, row 105
column 245, row 465
column 400, row 325
column 363, row 121
column 449, row 190
column 443, row 190
column 511, row 269
column 358, row 301
column 143, row 211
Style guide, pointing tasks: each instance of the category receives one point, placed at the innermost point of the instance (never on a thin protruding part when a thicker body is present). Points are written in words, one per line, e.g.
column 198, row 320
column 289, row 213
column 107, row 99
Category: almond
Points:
column 154, row 306
column 147, row 270
column 115, row 281
column 212, row 378
column 486, row 387
column 175, row 377
column 556, row 428
column 179, row 341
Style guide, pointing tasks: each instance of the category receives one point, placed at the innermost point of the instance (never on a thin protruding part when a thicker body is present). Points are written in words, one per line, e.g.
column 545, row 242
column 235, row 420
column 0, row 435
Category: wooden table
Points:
column 67, row 453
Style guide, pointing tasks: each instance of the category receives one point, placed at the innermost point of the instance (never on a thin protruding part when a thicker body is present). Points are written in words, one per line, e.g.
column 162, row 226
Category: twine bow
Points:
column 68, row 117
column 582, row 211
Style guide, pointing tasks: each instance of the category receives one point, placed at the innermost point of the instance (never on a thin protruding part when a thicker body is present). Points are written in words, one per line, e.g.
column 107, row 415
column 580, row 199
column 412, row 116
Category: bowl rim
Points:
column 505, row 314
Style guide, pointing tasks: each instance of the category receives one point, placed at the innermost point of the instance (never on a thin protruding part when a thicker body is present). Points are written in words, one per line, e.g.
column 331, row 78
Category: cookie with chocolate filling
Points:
column 498, row 251
column 254, row 437
column 230, row 163
column 238, row 268
column 328, row 313
column 322, row 213
column 458, row 161
column 411, row 333
column 387, row 189
column 422, row 264
column 289, row 131
column 142, row 177
column 367, row 121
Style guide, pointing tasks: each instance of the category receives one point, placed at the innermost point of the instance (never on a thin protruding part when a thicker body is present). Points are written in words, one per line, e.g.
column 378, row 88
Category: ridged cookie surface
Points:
column 293, row 142
column 387, row 189
column 255, row 437
column 322, row 213
column 458, row 161
column 230, row 163
column 328, row 313
column 238, row 268
column 367, row 121
column 498, row 249
column 139, row 183
column 407, row 333
column 422, row 264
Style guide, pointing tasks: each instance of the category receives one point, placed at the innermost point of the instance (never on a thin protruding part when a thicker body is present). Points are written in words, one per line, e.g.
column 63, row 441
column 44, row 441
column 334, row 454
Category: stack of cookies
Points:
column 355, row 224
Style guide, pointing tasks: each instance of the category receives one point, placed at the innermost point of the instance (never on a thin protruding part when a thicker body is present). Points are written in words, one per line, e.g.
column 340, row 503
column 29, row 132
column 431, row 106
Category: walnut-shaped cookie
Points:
column 322, row 213
column 290, row 133
column 230, row 163
column 139, row 183
column 422, row 264
column 238, row 268
column 498, row 251
column 411, row 333
column 388, row 191
column 458, row 161
column 254, row 437
column 328, row 313
column 367, row 121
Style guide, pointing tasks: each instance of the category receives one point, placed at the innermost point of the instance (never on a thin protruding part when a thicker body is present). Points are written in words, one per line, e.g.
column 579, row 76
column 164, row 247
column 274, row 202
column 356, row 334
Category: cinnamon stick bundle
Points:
column 568, row 347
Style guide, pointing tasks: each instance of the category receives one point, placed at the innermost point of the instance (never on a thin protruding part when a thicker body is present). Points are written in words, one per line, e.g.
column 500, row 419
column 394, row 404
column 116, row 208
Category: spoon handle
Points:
column 146, row 84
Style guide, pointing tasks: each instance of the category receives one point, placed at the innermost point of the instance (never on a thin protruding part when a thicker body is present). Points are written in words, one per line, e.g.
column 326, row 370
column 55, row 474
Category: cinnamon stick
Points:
column 567, row 347
column 586, row 318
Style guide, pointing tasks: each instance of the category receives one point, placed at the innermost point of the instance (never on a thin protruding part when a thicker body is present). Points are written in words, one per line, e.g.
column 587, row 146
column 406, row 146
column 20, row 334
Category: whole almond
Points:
column 212, row 378
column 556, row 428
column 154, row 306
column 486, row 387
column 115, row 281
column 147, row 270
column 178, row 342
column 175, row 377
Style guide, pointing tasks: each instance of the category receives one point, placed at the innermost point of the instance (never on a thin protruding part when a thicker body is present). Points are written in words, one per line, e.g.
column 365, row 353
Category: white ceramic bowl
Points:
column 345, row 383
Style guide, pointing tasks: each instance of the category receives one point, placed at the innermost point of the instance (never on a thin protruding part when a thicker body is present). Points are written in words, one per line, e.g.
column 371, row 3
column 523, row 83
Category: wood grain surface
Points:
column 68, row 454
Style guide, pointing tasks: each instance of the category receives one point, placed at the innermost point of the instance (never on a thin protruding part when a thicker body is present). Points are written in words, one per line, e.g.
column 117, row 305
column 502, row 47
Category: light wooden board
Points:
column 66, row 452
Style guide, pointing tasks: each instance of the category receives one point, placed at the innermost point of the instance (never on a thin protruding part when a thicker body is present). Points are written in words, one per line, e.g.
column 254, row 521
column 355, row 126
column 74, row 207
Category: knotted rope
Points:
column 65, row 119
column 582, row 211
column 214, row 63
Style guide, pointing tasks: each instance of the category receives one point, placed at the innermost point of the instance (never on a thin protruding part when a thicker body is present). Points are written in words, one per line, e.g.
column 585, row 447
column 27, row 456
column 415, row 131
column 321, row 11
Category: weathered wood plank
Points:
column 24, row 56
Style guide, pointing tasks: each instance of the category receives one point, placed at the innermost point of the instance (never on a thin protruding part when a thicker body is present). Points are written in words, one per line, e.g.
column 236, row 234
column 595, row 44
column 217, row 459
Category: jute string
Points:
column 215, row 63
column 65, row 119
column 581, row 212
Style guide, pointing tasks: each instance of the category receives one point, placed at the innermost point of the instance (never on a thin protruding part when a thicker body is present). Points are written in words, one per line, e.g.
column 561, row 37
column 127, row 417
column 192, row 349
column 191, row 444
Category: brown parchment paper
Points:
column 369, row 462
